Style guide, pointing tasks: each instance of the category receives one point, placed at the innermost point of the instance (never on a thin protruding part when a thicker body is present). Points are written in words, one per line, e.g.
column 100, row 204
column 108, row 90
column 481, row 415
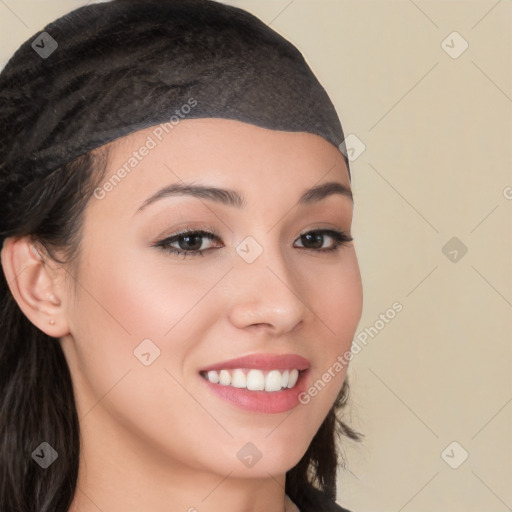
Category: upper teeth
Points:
column 254, row 380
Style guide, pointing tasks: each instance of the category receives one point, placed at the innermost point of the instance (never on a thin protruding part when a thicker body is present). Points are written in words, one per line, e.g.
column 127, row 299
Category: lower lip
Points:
column 267, row 402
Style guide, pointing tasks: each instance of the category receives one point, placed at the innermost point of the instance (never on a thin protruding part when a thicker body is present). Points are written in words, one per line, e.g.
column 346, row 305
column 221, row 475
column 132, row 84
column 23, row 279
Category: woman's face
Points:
column 145, row 321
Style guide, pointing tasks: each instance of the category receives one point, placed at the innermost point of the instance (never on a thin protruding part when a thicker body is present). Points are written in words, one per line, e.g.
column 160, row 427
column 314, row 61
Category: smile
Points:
column 259, row 383
column 254, row 379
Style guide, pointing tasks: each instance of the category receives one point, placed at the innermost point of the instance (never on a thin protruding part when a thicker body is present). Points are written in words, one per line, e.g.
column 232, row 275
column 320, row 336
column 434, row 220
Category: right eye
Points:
column 189, row 242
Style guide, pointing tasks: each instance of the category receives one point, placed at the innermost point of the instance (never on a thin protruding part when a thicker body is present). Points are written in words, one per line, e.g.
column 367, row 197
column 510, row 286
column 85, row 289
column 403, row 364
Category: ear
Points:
column 36, row 284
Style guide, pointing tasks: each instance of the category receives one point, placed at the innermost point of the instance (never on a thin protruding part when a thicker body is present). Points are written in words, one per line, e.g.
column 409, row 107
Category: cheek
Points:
column 123, row 302
column 334, row 293
column 144, row 297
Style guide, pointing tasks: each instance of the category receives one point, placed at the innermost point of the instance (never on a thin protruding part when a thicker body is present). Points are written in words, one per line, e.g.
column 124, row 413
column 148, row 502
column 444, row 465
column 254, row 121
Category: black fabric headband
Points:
column 108, row 69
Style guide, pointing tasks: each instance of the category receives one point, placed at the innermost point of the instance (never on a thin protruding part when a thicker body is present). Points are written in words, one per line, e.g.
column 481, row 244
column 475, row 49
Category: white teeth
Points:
column 254, row 380
column 238, row 379
column 213, row 376
column 224, row 378
column 292, row 379
column 273, row 381
column 284, row 381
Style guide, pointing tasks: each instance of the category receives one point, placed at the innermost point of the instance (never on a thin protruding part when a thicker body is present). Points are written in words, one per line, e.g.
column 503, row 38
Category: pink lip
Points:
column 261, row 401
column 262, row 362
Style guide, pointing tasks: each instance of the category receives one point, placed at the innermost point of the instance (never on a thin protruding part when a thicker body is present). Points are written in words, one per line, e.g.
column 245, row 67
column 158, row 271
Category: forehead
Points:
column 258, row 161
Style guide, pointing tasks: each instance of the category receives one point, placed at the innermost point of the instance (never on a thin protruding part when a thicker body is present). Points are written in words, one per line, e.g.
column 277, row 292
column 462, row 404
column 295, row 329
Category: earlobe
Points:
column 35, row 285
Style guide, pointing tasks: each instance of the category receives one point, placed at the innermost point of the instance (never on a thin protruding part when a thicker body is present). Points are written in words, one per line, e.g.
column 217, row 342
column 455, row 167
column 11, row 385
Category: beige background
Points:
column 437, row 164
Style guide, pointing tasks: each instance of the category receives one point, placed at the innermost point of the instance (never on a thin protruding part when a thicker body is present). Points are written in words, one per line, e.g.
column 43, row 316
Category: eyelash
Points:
column 340, row 238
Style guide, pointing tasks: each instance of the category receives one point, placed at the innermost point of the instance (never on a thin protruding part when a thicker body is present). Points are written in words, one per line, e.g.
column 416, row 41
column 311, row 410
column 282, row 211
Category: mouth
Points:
column 262, row 383
column 255, row 379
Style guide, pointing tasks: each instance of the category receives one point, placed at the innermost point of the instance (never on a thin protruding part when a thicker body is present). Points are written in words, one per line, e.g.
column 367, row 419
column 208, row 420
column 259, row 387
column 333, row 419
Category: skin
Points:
column 153, row 436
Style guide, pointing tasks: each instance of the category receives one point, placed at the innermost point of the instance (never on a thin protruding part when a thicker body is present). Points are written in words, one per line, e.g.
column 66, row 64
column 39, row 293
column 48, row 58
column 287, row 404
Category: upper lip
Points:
column 262, row 362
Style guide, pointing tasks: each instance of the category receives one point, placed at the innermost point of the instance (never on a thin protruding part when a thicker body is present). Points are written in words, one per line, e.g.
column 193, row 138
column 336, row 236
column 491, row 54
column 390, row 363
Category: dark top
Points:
column 314, row 500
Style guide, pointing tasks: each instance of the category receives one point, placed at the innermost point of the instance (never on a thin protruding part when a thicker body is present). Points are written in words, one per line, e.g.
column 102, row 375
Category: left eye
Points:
column 190, row 242
column 316, row 239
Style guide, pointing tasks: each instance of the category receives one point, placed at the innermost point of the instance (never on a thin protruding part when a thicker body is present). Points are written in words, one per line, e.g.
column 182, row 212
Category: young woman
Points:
column 179, row 283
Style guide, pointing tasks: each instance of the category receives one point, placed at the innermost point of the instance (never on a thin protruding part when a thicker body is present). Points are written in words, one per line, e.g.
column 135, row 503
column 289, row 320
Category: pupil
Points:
column 316, row 238
column 189, row 244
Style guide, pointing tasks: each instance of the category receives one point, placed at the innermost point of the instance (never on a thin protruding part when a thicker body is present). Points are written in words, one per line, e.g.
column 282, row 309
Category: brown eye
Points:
column 187, row 243
column 315, row 239
column 190, row 242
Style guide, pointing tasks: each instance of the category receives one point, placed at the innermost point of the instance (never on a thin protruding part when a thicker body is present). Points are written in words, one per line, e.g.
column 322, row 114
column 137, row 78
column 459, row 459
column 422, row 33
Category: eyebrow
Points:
column 233, row 198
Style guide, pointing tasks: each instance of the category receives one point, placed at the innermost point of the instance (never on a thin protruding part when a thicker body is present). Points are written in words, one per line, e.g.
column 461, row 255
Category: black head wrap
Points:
column 108, row 69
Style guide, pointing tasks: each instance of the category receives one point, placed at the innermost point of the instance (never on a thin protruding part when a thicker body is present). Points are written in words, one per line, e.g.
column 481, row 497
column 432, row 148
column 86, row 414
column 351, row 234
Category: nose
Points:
column 267, row 295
